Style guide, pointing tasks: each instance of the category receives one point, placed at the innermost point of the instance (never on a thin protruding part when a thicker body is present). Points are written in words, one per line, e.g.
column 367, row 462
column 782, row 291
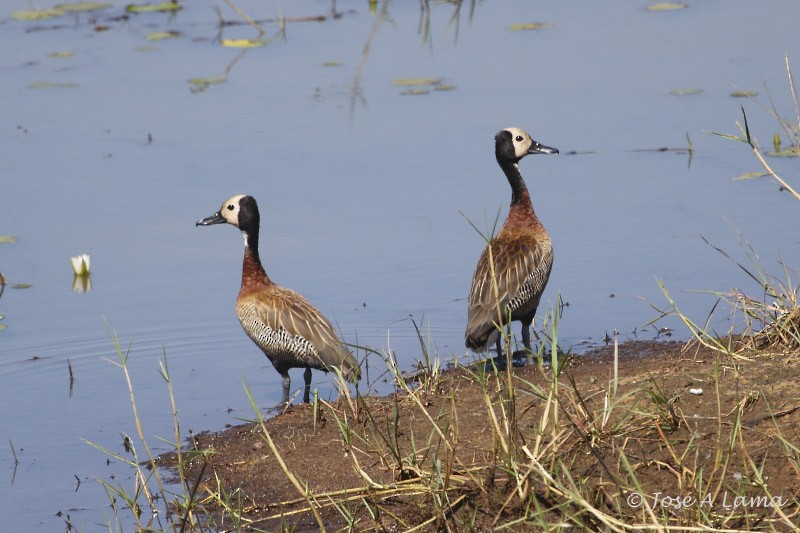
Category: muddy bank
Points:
column 684, row 435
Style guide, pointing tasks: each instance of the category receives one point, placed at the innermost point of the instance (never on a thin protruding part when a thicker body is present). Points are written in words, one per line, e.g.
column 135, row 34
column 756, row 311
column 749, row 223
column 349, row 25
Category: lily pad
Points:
column 412, row 82
column 530, row 26
column 61, row 54
column 206, row 81
column 7, row 239
column 332, row 64
column 414, row 92
column 201, row 84
column 163, row 7
column 786, row 152
column 162, row 35
column 751, row 175
column 52, row 85
column 75, row 7
column 37, row 14
column 666, row 6
column 242, row 43
column 21, row 286
column 743, row 94
column 685, row 92
column 444, row 87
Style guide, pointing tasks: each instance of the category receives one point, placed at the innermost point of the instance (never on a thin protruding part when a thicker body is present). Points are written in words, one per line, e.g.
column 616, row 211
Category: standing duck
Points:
column 515, row 266
column 290, row 331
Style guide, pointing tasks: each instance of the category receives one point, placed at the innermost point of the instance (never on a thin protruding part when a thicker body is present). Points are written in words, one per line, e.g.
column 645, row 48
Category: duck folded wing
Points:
column 520, row 270
column 294, row 332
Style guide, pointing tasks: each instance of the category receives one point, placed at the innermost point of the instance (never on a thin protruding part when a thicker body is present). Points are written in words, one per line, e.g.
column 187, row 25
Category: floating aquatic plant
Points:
column 75, row 7
column 36, row 14
column 530, row 26
column 743, row 94
column 61, row 54
column 242, row 43
column 163, row 35
column 410, row 82
column 7, row 239
column 666, row 6
column 414, row 92
column 685, row 92
column 163, row 7
column 58, row 11
column 81, row 264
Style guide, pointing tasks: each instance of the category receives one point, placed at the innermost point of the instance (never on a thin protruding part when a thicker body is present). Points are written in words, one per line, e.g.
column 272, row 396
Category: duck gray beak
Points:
column 537, row 148
column 216, row 218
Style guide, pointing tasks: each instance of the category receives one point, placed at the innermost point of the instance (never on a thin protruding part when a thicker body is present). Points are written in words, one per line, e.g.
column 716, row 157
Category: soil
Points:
column 688, row 423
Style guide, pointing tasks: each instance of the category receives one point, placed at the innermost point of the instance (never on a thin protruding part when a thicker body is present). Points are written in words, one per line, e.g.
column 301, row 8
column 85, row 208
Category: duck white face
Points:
column 521, row 140
column 524, row 144
column 230, row 209
column 228, row 213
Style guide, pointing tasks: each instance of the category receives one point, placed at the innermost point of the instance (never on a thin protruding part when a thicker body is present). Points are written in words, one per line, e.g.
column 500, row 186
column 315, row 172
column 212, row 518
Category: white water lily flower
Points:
column 81, row 264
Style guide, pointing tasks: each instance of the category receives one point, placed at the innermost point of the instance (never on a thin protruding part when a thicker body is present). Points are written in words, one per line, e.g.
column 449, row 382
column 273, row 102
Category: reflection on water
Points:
column 82, row 283
column 364, row 191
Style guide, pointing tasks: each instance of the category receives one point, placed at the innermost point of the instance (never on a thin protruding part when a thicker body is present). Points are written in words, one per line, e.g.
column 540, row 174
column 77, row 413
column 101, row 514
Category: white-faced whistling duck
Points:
column 287, row 328
column 521, row 252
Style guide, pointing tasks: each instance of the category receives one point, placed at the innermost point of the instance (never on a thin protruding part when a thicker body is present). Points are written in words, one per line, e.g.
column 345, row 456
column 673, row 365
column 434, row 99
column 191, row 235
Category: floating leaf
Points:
column 153, row 8
column 743, row 94
column 332, row 64
column 61, row 55
column 411, row 82
column 2, row 316
column 201, row 84
column 786, row 152
column 530, row 26
column 685, row 92
column 206, row 81
column 37, row 14
column 52, row 85
column 162, row 35
column 444, row 87
column 414, row 92
column 7, row 239
column 21, row 286
column 82, row 6
column 3, row 326
column 242, row 43
column 666, row 6
column 751, row 175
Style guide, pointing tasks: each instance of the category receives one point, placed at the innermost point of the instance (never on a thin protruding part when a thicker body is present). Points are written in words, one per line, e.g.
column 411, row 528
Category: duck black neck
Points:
column 249, row 223
column 518, row 188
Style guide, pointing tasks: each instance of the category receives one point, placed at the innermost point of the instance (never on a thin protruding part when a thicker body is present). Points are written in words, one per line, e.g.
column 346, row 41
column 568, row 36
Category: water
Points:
column 361, row 196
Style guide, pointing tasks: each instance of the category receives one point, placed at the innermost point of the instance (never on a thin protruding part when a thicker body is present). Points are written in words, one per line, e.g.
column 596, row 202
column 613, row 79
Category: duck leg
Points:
column 500, row 349
column 526, row 336
column 307, row 387
column 286, row 382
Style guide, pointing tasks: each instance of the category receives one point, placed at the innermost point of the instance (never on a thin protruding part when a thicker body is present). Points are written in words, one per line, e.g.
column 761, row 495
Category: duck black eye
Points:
column 518, row 138
column 230, row 207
